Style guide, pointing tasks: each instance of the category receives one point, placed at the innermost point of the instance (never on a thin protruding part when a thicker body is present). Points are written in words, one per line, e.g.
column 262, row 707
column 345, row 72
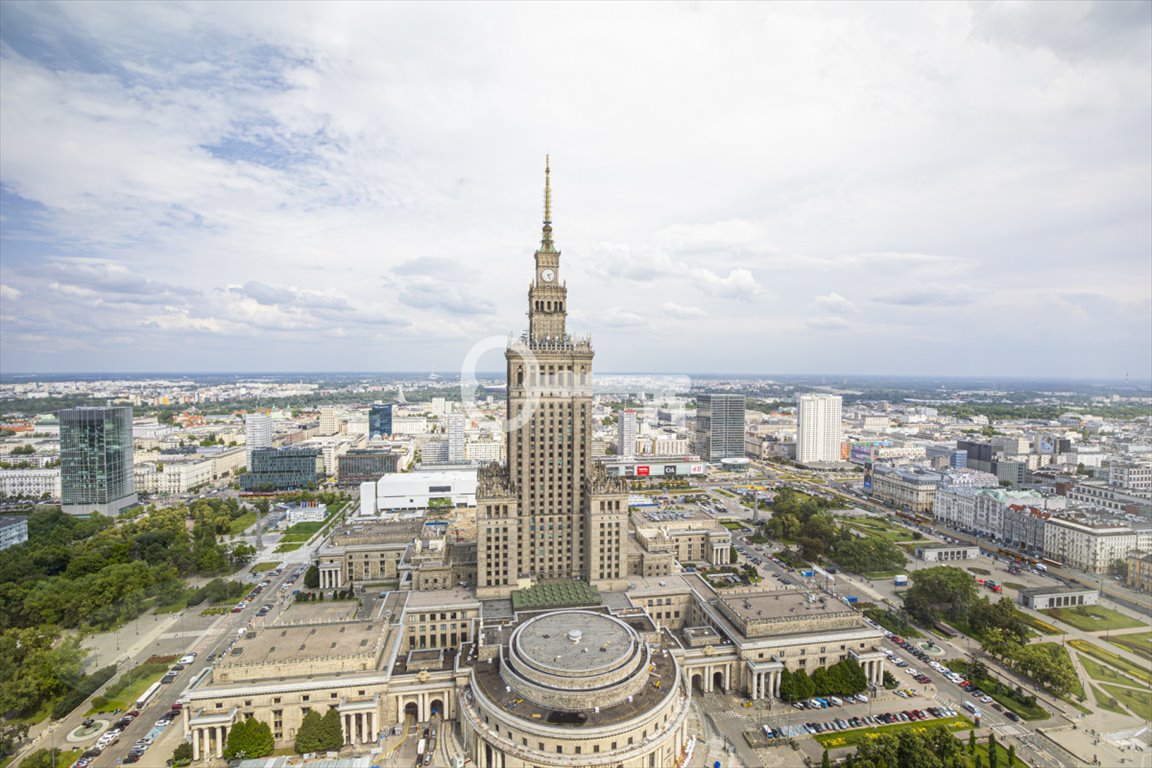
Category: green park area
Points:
column 290, row 546
column 1108, row 657
column 853, row 737
column 1139, row 643
column 1005, row 695
column 1139, row 701
column 1039, row 625
column 732, row 525
column 262, row 567
column 1092, row 618
column 242, row 523
column 1103, row 673
column 878, row 527
column 1107, row 701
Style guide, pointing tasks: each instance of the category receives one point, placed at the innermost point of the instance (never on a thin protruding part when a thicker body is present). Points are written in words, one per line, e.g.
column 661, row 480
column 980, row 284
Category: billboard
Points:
column 643, row 470
column 868, row 477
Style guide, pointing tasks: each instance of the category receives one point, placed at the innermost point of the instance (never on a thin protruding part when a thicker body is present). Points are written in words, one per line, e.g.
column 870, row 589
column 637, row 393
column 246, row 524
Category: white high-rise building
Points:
column 818, row 428
column 627, row 432
column 257, row 432
column 456, row 439
column 329, row 424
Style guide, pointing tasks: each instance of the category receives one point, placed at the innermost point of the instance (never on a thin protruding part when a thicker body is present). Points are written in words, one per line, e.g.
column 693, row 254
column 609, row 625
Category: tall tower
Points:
column 719, row 426
column 96, row 468
column 551, row 513
column 626, row 437
column 818, row 428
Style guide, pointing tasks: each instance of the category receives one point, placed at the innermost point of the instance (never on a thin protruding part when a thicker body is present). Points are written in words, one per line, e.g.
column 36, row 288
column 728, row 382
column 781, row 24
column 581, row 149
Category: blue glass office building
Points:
column 96, row 471
column 380, row 420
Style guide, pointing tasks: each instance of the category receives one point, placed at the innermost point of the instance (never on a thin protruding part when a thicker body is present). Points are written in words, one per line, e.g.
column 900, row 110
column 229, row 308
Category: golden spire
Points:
column 546, row 244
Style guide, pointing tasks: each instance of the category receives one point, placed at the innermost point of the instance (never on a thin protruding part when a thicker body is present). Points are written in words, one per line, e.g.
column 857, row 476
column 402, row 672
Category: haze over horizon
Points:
column 894, row 189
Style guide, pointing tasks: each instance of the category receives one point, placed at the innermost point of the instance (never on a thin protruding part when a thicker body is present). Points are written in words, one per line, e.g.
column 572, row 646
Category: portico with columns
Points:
column 360, row 720
column 331, row 575
column 764, row 679
column 209, row 733
column 873, row 664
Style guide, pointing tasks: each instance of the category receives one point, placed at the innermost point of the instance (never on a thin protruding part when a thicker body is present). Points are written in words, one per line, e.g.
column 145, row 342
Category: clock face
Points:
column 548, row 275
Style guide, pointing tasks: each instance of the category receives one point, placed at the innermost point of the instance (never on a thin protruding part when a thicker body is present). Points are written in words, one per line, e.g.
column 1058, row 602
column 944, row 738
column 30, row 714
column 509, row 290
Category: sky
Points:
column 908, row 188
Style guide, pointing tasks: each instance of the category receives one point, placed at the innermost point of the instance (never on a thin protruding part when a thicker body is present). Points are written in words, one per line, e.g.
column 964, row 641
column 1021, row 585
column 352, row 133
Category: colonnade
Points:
column 208, row 741
column 359, row 727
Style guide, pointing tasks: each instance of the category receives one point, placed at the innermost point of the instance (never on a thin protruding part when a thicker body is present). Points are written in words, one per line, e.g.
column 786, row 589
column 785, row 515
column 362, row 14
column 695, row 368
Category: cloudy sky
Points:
column 933, row 188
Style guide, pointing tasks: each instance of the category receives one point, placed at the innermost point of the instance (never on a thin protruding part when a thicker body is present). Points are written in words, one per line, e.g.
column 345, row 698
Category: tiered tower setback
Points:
column 548, row 514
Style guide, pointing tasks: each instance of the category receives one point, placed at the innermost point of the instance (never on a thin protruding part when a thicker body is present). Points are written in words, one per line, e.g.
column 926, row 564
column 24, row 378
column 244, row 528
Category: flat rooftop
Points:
column 424, row 600
column 376, row 532
column 280, row 643
column 1057, row 590
column 783, row 604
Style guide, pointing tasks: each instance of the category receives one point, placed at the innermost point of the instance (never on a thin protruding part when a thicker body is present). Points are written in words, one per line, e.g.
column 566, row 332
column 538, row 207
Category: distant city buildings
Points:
column 96, row 460
column 455, row 427
column 329, row 422
column 720, row 426
column 365, row 465
column 818, row 428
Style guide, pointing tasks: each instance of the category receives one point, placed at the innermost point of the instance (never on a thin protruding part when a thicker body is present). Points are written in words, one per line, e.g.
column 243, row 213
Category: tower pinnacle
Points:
column 546, row 244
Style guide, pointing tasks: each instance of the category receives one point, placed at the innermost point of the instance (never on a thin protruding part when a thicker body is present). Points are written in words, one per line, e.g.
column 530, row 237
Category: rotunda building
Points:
column 574, row 688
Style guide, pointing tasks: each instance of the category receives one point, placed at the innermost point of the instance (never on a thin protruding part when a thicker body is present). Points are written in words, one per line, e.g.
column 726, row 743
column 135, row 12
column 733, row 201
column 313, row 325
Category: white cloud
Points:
column 679, row 311
column 319, row 182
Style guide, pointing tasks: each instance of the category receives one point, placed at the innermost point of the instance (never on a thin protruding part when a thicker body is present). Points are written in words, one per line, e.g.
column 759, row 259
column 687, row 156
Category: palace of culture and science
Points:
column 550, row 514
column 559, row 631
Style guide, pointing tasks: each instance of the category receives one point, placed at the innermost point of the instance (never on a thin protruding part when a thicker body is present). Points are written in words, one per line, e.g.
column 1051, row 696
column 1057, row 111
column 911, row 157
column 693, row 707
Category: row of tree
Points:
column 841, row 679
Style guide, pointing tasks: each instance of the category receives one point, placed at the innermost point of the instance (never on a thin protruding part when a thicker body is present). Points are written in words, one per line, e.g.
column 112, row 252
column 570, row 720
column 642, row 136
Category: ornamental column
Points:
column 195, row 746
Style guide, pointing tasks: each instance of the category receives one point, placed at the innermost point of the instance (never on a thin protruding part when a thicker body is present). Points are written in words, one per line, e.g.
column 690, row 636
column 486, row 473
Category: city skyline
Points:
column 887, row 189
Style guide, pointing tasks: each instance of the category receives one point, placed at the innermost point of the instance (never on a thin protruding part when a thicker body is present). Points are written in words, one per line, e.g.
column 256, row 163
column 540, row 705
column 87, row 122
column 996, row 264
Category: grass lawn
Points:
column 1139, row 643
column 124, row 692
column 1012, row 585
column 870, row 526
column 179, row 604
column 1104, row 674
column 1140, row 702
column 63, row 758
column 982, row 753
column 981, row 571
column 242, row 523
column 289, row 538
column 1114, row 659
column 855, row 736
column 732, row 525
column 1107, row 701
column 261, row 567
column 1090, row 618
column 216, row 610
column 304, row 528
column 1039, row 625
column 288, row 547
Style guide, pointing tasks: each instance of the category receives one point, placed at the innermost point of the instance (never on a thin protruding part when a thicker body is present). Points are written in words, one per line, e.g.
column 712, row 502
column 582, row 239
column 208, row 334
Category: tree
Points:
column 993, row 758
column 824, row 761
column 309, row 738
column 940, row 592
column 332, row 730
column 182, row 755
column 1049, row 665
column 312, row 577
column 972, row 742
column 1011, row 756
column 249, row 738
column 788, row 685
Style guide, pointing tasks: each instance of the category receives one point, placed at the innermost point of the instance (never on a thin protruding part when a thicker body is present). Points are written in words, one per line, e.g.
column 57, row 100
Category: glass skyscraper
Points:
column 96, row 472
column 719, row 426
column 380, row 420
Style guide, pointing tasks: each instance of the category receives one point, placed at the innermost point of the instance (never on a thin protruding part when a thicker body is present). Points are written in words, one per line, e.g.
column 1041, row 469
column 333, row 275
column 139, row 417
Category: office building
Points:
column 626, row 433
column 1139, row 571
column 282, row 469
column 818, row 428
column 96, row 470
column 455, row 428
column 329, row 423
column 365, row 465
column 13, row 530
column 719, row 426
column 380, row 421
column 257, row 432
column 550, row 513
